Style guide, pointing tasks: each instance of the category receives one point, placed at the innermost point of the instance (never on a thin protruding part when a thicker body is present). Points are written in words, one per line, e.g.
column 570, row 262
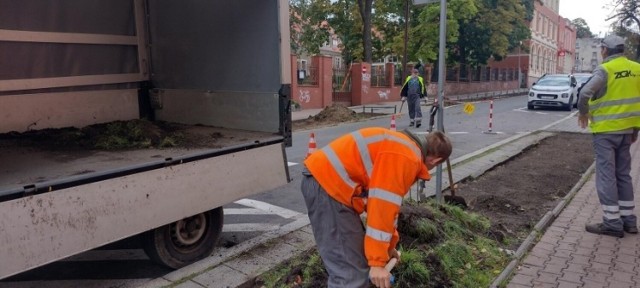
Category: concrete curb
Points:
column 204, row 265
column 540, row 227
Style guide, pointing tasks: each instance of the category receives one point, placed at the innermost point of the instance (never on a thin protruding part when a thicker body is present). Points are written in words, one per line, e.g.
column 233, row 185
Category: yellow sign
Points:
column 469, row 108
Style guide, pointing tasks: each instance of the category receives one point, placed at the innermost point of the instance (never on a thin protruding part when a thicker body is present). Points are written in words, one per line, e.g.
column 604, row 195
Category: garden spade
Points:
column 451, row 199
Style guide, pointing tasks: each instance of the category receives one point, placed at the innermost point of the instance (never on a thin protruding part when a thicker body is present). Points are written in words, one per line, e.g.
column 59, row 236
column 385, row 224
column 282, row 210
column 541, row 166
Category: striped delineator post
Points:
column 312, row 144
column 393, row 123
column 490, row 119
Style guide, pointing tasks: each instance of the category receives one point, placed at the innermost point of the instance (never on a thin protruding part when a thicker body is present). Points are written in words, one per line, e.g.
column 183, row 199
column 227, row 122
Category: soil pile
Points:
column 332, row 115
column 445, row 246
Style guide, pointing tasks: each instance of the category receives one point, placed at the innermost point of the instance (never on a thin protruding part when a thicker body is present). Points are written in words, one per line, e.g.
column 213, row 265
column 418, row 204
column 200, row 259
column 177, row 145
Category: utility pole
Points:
column 441, row 82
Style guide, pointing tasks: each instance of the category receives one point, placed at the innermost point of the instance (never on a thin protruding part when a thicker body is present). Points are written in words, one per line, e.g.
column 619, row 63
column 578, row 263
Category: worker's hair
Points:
column 438, row 145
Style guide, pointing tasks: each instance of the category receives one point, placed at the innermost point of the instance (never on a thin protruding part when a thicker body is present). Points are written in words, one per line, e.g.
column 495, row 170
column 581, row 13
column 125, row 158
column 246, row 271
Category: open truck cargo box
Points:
column 74, row 63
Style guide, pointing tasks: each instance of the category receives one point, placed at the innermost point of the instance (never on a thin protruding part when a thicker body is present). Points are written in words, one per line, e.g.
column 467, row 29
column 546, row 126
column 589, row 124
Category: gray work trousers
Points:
column 339, row 235
column 613, row 179
column 415, row 111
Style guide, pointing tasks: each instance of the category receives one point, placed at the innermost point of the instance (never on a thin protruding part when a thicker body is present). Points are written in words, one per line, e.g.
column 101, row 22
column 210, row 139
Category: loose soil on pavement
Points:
column 445, row 246
column 330, row 116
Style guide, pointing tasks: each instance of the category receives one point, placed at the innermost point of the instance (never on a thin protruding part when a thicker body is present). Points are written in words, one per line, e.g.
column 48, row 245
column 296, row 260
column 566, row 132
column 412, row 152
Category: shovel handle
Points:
column 453, row 190
column 392, row 263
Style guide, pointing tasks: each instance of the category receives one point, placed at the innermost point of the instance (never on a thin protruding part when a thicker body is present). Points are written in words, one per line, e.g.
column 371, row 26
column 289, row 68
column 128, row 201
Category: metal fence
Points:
column 379, row 76
column 310, row 76
column 341, row 85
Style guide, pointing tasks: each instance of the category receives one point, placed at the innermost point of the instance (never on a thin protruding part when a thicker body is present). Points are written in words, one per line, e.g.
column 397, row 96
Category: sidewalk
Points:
column 567, row 256
column 306, row 113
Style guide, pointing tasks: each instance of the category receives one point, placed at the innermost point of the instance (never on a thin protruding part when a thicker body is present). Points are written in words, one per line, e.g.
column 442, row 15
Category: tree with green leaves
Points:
column 627, row 16
column 494, row 31
column 582, row 28
column 309, row 28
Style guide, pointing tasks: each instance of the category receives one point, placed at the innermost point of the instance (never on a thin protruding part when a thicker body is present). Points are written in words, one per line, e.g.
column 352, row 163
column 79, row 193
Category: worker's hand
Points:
column 583, row 120
column 403, row 99
column 393, row 253
column 380, row 277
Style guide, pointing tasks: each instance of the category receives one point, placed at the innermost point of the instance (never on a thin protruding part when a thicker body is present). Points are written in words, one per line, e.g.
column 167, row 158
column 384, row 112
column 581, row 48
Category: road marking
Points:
column 272, row 209
column 452, row 133
column 244, row 211
column 249, row 227
column 292, row 164
column 542, row 113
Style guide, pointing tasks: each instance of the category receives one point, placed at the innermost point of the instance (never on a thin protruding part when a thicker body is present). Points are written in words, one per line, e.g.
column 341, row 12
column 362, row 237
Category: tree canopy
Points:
column 477, row 30
column 582, row 28
column 627, row 24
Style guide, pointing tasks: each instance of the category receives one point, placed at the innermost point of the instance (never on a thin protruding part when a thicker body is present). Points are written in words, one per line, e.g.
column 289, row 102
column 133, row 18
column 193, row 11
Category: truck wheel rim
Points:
column 189, row 231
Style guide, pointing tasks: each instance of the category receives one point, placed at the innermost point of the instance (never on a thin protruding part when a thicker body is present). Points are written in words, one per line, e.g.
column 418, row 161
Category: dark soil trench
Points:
column 513, row 196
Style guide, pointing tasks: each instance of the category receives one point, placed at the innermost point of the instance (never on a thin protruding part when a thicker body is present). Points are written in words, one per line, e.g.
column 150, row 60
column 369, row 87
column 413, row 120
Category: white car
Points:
column 555, row 90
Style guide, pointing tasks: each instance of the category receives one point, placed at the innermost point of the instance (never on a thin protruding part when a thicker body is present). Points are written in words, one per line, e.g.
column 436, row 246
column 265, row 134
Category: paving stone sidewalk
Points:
column 567, row 256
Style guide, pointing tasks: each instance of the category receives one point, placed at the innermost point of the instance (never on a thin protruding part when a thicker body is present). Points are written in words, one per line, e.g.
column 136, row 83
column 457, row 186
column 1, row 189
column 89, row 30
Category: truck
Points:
column 212, row 64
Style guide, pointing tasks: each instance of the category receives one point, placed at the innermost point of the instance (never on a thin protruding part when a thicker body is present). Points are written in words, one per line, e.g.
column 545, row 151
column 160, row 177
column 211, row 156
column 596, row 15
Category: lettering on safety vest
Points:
column 623, row 74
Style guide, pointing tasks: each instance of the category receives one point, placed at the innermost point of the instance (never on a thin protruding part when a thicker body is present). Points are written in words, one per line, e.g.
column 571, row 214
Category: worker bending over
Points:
column 369, row 170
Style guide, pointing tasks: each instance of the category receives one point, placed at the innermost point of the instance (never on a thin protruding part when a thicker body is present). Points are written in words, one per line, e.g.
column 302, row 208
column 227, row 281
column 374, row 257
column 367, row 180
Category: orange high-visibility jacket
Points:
column 371, row 169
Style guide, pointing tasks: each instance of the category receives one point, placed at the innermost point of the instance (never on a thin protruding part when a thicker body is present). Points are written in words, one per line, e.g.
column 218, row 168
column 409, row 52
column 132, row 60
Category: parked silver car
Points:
column 581, row 79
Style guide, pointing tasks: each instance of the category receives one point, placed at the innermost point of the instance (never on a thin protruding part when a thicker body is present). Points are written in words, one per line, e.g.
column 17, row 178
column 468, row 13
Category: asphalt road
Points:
column 125, row 265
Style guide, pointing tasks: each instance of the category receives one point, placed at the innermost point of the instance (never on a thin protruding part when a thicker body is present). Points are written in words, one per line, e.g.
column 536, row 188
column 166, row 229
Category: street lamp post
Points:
column 519, row 69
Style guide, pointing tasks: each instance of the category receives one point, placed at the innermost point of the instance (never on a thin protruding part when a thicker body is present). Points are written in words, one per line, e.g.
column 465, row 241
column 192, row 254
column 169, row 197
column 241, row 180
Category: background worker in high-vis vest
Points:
column 610, row 104
column 369, row 170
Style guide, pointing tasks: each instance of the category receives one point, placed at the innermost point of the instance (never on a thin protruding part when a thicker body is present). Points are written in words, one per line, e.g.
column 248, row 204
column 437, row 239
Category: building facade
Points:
column 543, row 47
column 587, row 55
column 566, row 46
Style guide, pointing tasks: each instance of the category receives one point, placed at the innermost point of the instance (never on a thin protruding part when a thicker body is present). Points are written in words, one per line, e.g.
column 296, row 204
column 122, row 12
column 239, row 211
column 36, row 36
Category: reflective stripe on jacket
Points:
column 619, row 108
column 371, row 169
column 423, row 89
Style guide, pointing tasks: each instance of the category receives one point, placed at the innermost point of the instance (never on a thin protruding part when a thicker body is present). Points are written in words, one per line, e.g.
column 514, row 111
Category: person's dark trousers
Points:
column 415, row 112
column 613, row 180
column 339, row 236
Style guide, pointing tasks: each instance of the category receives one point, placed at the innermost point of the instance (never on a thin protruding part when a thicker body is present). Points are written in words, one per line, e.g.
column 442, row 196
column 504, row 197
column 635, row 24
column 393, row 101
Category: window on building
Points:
column 594, row 55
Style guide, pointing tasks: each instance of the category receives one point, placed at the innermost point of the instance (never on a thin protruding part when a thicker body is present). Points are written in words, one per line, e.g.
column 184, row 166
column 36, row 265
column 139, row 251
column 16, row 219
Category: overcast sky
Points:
column 593, row 11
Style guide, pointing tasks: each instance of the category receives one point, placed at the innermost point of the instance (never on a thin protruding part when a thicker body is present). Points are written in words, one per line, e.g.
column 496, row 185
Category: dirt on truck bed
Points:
column 445, row 246
column 42, row 155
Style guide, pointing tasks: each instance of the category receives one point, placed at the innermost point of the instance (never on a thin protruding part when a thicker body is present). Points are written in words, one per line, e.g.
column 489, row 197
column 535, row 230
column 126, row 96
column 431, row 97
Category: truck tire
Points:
column 183, row 242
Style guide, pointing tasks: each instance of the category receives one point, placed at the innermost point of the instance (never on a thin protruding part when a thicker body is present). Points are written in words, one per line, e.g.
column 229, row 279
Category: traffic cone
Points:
column 393, row 123
column 312, row 144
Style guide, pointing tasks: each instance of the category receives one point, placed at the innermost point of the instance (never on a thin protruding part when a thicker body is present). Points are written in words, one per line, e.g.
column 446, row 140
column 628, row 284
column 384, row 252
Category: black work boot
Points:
column 630, row 229
column 411, row 124
column 598, row 228
column 418, row 123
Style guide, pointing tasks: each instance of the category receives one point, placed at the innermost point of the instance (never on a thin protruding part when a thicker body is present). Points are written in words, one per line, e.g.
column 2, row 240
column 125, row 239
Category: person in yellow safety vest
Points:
column 369, row 170
column 610, row 104
column 412, row 91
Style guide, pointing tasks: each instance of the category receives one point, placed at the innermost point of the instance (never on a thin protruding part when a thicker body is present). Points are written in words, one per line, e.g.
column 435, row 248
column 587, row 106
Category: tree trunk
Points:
column 365, row 7
column 406, row 40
